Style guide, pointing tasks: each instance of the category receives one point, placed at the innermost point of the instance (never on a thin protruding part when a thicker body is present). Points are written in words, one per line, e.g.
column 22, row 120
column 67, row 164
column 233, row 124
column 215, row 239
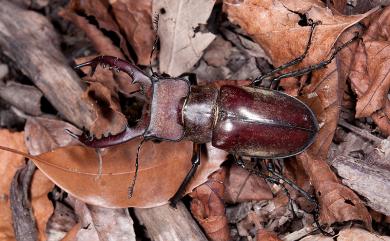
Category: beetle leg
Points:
column 275, row 81
column 258, row 80
column 195, row 163
column 281, row 179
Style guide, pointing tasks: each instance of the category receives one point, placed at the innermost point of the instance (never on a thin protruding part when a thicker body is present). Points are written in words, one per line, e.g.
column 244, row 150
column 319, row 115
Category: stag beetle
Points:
column 246, row 121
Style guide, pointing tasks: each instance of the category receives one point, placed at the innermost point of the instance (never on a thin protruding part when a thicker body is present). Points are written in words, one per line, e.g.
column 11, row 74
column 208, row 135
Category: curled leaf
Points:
column 337, row 202
column 135, row 18
column 10, row 163
column 370, row 78
column 109, row 118
column 243, row 186
column 208, row 207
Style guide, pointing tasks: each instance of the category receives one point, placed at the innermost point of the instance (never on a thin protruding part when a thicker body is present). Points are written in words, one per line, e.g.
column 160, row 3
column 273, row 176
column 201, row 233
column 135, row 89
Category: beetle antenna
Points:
column 132, row 185
column 156, row 19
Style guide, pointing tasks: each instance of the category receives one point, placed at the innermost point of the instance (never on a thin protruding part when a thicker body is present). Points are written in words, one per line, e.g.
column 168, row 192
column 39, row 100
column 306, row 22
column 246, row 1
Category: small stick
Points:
column 361, row 132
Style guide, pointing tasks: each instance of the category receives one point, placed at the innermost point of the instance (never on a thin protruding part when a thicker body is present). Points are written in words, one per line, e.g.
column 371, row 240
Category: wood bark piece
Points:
column 32, row 43
column 369, row 181
column 23, row 219
column 25, row 97
column 167, row 223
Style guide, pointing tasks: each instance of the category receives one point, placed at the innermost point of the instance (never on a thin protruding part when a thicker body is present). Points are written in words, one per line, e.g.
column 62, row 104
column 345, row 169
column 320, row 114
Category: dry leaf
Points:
column 100, row 42
column 135, row 18
column 182, row 40
column 280, row 21
column 356, row 234
column 109, row 118
column 162, row 168
column 370, row 78
column 71, row 235
column 263, row 234
column 96, row 13
column 103, row 46
column 208, row 207
column 243, row 186
column 42, row 207
column 9, row 164
column 337, row 202
column 43, row 134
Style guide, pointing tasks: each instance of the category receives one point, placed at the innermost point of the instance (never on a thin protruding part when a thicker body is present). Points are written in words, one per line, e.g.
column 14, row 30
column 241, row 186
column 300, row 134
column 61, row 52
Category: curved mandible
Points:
column 118, row 64
column 138, row 76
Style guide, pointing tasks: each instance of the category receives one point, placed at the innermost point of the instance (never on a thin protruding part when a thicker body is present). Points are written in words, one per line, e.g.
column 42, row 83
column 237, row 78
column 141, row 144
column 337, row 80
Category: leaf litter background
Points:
column 223, row 42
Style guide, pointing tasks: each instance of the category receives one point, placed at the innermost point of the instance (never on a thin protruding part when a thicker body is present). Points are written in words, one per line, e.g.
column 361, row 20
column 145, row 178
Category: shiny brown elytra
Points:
column 249, row 121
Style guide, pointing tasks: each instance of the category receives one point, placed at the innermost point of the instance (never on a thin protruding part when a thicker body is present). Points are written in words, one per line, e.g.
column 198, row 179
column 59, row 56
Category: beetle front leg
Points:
column 258, row 80
column 195, row 163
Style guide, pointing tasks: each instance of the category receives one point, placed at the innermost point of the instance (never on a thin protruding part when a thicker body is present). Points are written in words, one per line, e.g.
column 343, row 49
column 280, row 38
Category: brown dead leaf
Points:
column 243, row 186
column 103, row 46
column 96, row 13
column 182, row 38
column 101, row 43
column 356, row 234
column 263, row 234
column 317, row 237
column 370, row 78
column 135, row 19
column 42, row 207
column 218, row 52
column 43, row 134
column 208, row 207
column 162, row 168
column 71, row 235
column 109, row 118
column 9, row 164
column 337, row 202
column 280, row 21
